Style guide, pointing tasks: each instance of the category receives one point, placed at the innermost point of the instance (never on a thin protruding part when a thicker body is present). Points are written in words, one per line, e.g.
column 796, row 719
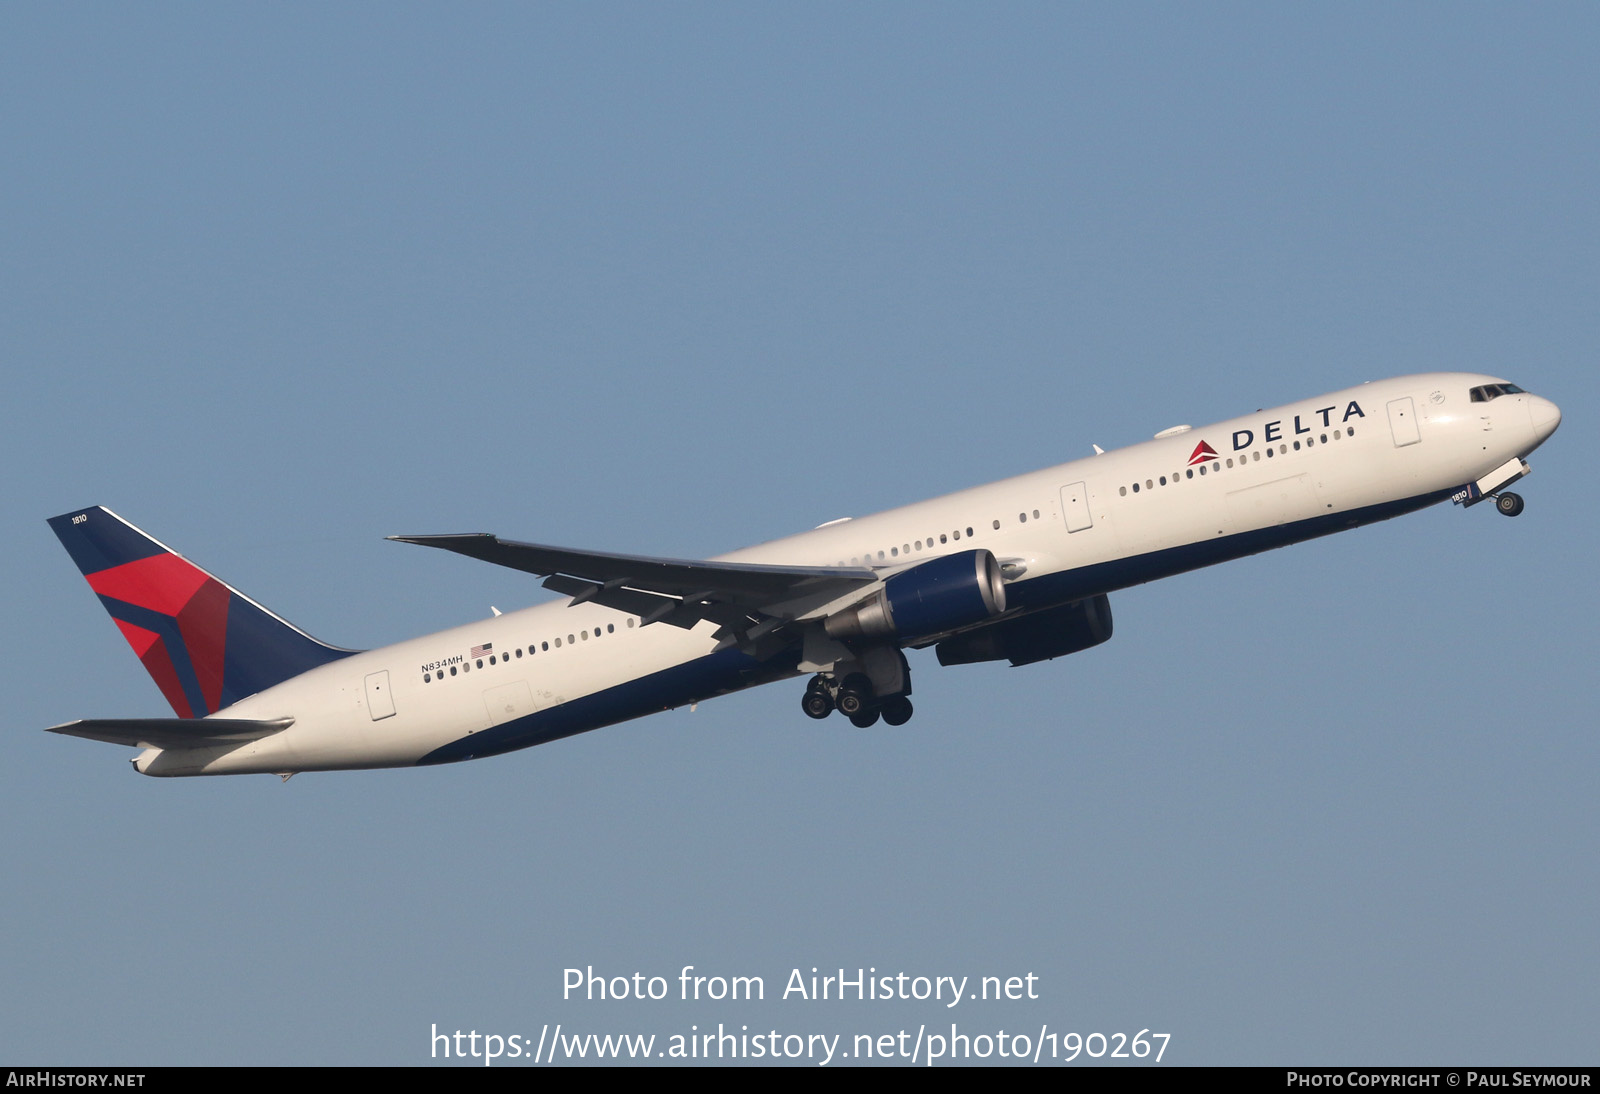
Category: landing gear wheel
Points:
column 855, row 696
column 897, row 711
column 1508, row 503
column 864, row 719
column 817, row 703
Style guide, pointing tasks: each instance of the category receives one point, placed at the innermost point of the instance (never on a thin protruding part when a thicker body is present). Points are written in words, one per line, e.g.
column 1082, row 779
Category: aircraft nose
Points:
column 1545, row 414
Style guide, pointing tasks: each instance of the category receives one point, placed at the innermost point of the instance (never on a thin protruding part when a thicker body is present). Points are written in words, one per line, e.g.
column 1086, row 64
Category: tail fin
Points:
column 204, row 643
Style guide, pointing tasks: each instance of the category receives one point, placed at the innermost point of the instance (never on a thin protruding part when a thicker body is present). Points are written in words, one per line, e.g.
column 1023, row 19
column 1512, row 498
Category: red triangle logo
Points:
column 1202, row 452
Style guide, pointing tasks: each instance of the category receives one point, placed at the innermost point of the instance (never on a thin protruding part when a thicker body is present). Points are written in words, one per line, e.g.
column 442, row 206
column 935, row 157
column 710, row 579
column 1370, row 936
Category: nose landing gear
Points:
column 1493, row 485
column 1508, row 504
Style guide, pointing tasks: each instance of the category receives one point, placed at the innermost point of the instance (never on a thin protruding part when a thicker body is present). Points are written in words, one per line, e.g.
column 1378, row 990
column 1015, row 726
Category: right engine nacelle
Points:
column 1055, row 632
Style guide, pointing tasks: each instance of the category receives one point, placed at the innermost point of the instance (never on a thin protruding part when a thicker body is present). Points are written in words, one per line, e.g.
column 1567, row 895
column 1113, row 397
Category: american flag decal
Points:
column 482, row 651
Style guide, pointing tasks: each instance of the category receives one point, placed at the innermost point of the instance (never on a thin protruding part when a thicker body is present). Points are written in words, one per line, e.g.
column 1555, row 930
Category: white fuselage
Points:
column 1074, row 530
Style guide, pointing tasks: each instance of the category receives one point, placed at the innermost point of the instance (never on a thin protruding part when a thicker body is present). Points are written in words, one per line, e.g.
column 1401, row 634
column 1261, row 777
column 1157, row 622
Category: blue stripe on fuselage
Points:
column 702, row 678
column 1122, row 573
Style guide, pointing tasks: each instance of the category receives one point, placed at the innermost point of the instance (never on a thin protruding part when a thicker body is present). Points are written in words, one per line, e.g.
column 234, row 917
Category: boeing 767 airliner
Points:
column 1017, row 571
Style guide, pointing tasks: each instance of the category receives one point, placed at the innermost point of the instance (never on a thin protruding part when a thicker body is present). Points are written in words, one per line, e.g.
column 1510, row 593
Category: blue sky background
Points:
column 276, row 282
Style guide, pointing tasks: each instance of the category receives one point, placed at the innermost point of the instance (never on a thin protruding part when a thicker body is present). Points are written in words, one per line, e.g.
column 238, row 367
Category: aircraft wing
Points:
column 743, row 599
column 173, row 732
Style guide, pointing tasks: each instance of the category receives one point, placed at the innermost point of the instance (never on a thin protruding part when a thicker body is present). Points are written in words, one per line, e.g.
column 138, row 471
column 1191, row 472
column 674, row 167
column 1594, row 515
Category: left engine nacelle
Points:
column 934, row 598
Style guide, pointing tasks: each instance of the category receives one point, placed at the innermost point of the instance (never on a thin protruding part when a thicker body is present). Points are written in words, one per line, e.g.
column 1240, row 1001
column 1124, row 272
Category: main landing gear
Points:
column 855, row 696
column 1508, row 504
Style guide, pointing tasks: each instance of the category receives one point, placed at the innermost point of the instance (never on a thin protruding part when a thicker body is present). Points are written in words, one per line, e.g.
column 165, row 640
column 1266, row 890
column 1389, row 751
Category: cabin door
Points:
column 1075, row 507
column 1403, row 422
column 380, row 700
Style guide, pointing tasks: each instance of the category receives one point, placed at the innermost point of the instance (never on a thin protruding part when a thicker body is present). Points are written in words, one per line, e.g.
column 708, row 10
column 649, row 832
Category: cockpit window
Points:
column 1494, row 391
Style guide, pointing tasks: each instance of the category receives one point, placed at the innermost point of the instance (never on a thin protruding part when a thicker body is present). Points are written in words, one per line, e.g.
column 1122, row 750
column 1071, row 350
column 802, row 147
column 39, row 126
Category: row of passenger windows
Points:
column 537, row 647
column 907, row 548
column 1216, row 466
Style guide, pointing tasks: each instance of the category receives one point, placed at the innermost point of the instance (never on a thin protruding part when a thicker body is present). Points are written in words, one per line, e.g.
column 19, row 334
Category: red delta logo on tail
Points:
column 1202, row 452
column 174, row 590
column 205, row 644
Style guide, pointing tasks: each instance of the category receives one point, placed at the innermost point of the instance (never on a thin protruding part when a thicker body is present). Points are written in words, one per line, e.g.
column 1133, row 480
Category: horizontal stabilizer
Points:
column 174, row 732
